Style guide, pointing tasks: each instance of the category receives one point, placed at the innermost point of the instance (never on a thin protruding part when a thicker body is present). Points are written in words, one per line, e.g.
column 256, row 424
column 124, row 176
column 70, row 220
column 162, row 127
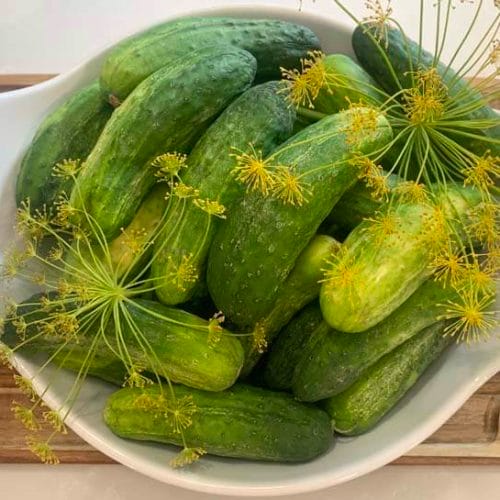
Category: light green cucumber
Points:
column 241, row 422
column 180, row 341
column 387, row 268
column 376, row 392
column 256, row 248
column 67, row 133
column 167, row 112
column 301, row 287
column 274, row 43
column 261, row 119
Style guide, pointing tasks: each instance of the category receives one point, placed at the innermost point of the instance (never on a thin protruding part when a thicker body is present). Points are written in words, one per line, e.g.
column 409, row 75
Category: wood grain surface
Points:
column 471, row 436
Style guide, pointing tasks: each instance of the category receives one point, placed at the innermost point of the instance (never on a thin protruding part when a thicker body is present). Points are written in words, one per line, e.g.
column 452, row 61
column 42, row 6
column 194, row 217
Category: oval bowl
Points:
column 437, row 395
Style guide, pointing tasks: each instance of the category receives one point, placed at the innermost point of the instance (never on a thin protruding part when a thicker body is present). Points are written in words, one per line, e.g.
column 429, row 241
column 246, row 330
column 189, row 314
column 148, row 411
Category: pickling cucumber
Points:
column 165, row 113
column 379, row 283
column 361, row 406
column 273, row 43
column 67, row 133
column 241, row 422
column 330, row 361
column 261, row 119
column 301, row 287
column 255, row 249
column 180, row 341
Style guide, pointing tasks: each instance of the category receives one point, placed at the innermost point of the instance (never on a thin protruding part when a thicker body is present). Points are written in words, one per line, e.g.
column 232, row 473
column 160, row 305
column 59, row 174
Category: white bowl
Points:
column 440, row 392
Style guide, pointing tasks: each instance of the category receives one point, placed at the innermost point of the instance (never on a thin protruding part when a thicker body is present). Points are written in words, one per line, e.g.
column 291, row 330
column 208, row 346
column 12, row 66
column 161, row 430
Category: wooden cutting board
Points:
column 471, row 436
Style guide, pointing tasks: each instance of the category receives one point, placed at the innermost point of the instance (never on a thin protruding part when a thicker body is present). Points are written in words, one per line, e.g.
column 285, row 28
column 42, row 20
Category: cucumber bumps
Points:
column 255, row 250
column 167, row 112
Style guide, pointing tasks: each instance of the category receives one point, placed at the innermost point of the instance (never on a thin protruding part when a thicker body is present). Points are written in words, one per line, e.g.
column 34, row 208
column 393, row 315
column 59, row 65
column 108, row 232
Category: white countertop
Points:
column 51, row 36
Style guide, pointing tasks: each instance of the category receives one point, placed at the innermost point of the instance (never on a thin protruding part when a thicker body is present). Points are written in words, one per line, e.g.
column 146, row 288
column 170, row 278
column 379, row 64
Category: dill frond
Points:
column 187, row 457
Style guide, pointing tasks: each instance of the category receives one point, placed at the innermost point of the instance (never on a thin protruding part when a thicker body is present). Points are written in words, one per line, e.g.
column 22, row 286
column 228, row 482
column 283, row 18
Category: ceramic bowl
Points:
column 439, row 393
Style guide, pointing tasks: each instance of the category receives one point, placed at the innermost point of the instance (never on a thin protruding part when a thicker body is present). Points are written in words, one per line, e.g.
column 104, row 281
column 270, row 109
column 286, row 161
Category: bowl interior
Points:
column 435, row 398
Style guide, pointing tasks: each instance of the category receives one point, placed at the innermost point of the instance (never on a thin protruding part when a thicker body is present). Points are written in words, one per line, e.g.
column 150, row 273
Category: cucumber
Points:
column 406, row 56
column 256, row 248
column 241, row 422
column 165, row 113
column 262, row 118
column 331, row 361
column 301, row 287
column 179, row 340
column 273, row 43
column 286, row 351
column 379, row 281
column 360, row 408
column 68, row 133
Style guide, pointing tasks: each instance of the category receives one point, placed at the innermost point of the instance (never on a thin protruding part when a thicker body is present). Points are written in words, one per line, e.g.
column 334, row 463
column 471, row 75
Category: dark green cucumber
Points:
column 287, row 349
column 406, row 56
column 273, row 43
column 241, row 422
column 347, row 82
column 331, row 361
column 382, row 281
column 262, row 118
column 68, row 133
column 256, row 248
column 361, row 406
column 301, row 287
column 179, row 340
column 165, row 113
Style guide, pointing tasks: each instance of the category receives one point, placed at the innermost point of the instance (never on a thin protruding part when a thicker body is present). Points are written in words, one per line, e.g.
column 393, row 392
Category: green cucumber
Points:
column 347, row 82
column 361, row 406
column 241, row 422
column 67, row 133
column 330, row 361
column 381, row 282
column 256, row 248
column 301, row 287
column 406, row 56
column 165, row 113
column 260, row 118
column 287, row 349
column 273, row 43
column 180, row 342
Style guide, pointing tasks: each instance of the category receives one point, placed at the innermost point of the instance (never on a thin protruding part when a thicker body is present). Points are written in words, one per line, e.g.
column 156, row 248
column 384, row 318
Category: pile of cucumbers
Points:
column 300, row 357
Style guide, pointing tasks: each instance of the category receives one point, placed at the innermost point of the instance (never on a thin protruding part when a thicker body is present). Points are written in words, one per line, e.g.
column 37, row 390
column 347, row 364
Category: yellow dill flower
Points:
column 373, row 176
column 426, row 101
column 436, row 231
column 14, row 261
column 186, row 457
column 472, row 315
column 136, row 378
column 363, row 123
column 495, row 54
column 182, row 191
column 169, row 165
column 211, row 207
column 60, row 325
column 253, row 171
column 412, row 192
column 135, row 239
column 26, row 387
column 55, row 421
column 180, row 413
column 449, row 266
column 379, row 17
column 56, row 253
column 26, row 416
column 67, row 169
column 32, row 224
column 5, row 356
column 484, row 225
column 484, row 172
column 215, row 329
column 19, row 323
column 304, row 86
column 289, row 188
column 42, row 450
column 259, row 339
column 478, row 277
column 65, row 212
column 182, row 273
column 383, row 226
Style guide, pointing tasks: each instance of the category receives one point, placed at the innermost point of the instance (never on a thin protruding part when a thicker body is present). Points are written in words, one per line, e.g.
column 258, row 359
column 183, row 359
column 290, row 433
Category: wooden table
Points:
column 471, row 436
